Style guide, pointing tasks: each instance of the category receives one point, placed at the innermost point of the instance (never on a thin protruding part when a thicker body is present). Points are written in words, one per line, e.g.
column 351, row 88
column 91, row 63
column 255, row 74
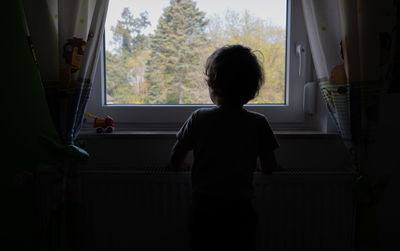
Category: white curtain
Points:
column 323, row 26
column 348, row 40
column 352, row 46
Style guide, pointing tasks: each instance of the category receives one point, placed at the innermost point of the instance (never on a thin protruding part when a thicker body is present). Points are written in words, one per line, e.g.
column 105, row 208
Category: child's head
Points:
column 234, row 75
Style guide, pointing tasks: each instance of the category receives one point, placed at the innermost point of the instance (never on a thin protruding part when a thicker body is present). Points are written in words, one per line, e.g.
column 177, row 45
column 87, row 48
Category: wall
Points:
column 296, row 152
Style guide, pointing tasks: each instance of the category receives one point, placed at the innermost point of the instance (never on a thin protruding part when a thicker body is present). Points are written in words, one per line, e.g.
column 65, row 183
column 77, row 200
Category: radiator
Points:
column 151, row 211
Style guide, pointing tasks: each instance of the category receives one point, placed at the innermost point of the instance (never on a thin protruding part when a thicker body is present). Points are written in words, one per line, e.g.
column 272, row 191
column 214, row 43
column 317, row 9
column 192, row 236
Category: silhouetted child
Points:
column 226, row 142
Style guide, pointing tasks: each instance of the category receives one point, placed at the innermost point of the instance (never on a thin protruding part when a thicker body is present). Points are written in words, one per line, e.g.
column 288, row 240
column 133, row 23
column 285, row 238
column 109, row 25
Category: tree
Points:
column 126, row 67
column 166, row 67
column 174, row 67
column 261, row 36
column 127, row 34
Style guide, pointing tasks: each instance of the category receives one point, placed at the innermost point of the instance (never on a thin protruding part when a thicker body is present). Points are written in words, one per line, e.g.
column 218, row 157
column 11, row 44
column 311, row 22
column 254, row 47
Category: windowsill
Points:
column 87, row 133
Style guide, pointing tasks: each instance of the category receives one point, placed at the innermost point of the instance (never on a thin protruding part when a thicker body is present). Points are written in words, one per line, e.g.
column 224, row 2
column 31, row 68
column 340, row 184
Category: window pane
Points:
column 156, row 50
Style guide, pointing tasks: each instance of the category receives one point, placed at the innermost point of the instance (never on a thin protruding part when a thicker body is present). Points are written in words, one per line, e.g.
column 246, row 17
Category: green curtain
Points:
column 26, row 126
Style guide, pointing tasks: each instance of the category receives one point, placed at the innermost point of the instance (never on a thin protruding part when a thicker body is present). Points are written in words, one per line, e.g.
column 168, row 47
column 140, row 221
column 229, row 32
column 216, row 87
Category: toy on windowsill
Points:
column 102, row 124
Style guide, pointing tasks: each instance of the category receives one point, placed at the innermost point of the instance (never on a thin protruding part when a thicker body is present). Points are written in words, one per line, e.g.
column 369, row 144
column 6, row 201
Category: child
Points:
column 226, row 142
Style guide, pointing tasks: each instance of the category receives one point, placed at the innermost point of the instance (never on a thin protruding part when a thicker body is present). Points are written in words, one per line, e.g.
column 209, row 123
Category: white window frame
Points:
column 289, row 115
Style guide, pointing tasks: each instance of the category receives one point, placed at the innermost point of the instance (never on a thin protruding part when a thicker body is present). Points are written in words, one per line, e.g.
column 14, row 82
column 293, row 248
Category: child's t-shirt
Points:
column 226, row 144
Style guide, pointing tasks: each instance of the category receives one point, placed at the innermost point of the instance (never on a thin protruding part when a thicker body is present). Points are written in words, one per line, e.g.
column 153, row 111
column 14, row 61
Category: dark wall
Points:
column 296, row 152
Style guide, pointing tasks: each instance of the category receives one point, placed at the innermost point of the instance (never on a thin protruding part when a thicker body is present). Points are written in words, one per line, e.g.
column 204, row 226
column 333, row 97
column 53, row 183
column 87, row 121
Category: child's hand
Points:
column 184, row 167
column 278, row 168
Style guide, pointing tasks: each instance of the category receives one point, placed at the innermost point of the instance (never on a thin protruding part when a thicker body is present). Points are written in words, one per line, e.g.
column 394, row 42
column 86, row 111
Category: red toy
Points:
column 102, row 124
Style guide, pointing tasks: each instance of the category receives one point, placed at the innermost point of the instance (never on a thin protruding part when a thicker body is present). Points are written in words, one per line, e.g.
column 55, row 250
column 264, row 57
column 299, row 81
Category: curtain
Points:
column 352, row 47
column 65, row 38
column 27, row 119
column 323, row 29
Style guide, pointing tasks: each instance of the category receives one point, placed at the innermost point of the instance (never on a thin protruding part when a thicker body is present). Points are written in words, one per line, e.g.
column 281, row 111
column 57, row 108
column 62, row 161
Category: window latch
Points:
column 299, row 51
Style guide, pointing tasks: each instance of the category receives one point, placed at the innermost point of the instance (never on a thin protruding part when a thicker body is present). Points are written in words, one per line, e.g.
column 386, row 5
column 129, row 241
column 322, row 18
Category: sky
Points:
column 271, row 10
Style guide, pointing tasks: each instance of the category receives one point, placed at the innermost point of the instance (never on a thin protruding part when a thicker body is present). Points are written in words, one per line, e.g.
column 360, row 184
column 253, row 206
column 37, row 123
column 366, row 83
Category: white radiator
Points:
column 150, row 211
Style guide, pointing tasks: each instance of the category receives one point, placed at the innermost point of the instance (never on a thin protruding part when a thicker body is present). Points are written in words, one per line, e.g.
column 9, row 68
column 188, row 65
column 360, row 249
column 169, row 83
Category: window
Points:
column 146, row 79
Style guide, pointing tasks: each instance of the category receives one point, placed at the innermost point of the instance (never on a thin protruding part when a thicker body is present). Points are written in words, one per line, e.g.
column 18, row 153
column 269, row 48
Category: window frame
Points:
column 289, row 115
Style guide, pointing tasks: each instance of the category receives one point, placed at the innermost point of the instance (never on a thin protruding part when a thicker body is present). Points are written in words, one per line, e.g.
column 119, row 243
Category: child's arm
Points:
column 177, row 159
column 268, row 163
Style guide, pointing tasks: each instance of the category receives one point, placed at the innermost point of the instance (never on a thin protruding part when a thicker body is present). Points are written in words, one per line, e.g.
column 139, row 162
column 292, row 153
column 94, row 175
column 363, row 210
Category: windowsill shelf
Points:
column 87, row 133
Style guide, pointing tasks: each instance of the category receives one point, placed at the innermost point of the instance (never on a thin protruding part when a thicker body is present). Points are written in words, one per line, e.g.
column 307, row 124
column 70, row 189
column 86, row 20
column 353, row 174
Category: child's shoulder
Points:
column 204, row 113
column 256, row 116
column 217, row 110
column 200, row 114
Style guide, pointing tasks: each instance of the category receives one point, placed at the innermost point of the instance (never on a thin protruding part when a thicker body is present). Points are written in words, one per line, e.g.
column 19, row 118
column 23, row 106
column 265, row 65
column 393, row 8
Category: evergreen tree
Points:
column 125, row 69
column 174, row 62
column 128, row 33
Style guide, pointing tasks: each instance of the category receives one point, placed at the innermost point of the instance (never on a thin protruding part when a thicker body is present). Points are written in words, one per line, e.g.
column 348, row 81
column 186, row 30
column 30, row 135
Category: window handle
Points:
column 299, row 51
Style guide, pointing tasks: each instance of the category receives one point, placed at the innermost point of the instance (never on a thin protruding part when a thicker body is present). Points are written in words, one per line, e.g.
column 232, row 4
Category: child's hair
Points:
column 234, row 74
